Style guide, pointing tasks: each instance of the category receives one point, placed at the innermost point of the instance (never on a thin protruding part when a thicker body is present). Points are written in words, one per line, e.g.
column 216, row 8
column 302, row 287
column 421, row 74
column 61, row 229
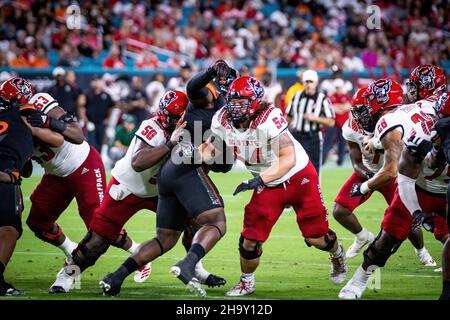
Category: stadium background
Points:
column 284, row 37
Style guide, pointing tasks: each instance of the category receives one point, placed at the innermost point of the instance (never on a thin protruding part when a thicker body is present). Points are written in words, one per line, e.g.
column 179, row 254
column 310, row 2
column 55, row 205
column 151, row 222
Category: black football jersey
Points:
column 16, row 141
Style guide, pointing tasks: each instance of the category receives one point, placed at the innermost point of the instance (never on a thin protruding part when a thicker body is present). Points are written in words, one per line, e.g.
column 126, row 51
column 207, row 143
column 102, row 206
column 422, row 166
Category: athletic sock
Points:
column 133, row 247
column 420, row 251
column 248, row 277
column 128, row 267
column 67, row 247
column 363, row 235
column 337, row 253
column 200, row 271
column 361, row 275
column 196, row 252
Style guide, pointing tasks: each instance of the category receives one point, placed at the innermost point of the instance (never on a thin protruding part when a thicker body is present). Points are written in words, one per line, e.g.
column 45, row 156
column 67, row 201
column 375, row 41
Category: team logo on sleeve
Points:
column 380, row 90
column 426, row 77
column 256, row 87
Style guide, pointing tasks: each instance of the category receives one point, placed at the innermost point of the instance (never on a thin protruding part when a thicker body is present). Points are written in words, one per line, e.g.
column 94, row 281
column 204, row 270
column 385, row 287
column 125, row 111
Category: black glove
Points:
column 369, row 174
column 220, row 69
column 356, row 192
column 41, row 120
column 249, row 184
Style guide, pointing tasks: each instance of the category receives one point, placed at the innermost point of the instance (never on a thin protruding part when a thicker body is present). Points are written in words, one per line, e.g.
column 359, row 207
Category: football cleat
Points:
column 7, row 289
column 425, row 258
column 339, row 268
column 356, row 286
column 207, row 278
column 357, row 245
column 438, row 269
column 63, row 283
column 143, row 273
column 182, row 271
column 214, row 281
column 243, row 288
column 110, row 285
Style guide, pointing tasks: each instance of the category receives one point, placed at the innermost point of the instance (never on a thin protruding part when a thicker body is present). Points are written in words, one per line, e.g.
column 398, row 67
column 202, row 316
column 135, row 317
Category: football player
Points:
column 72, row 170
column 438, row 157
column 16, row 147
column 390, row 122
column 185, row 188
column 283, row 175
column 131, row 188
column 366, row 164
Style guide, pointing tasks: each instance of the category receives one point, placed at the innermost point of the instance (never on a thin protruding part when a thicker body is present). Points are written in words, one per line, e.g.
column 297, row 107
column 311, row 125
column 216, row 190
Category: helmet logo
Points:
column 167, row 100
column 426, row 77
column 22, row 86
column 256, row 87
column 380, row 90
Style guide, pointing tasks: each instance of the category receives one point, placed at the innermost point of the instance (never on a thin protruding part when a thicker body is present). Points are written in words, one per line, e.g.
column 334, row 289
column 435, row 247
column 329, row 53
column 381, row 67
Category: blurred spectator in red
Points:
column 114, row 60
column 147, row 60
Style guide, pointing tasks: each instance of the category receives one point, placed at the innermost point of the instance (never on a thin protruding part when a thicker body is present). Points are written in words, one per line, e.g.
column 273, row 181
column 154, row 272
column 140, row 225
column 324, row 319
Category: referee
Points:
column 306, row 113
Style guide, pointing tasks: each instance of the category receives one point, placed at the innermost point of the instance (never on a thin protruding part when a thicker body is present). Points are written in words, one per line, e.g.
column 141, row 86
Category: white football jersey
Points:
column 403, row 118
column 67, row 158
column 431, row 180
column 253, row 146
column 351, row 131
column 141, row 184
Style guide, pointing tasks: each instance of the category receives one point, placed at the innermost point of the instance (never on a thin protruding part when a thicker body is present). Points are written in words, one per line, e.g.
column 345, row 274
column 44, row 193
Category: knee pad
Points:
column 91, row 248
column 250, row 255
column 121, row 240
column 330, row 239
column 49, row 236
column 378, row 253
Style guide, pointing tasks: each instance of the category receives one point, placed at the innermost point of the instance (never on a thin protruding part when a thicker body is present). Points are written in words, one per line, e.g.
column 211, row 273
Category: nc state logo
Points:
column 256, row 87
column 426, row 77
column 380, row 90
column 169, row 97
column 22, row 86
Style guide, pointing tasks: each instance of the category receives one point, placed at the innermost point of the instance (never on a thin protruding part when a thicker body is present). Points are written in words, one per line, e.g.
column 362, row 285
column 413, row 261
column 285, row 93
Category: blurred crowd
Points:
column 291, row 34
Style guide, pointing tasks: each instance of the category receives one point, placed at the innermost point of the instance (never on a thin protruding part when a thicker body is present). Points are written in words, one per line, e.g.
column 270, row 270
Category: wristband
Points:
column 365, row 187
column 169, row 144
column 57, row 125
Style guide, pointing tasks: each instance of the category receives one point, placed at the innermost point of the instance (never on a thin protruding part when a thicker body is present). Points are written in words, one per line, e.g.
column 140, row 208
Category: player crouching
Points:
column 283, row 174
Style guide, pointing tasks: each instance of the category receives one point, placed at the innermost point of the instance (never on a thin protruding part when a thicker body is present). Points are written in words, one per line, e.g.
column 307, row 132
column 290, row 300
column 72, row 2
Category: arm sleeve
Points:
column 407, row 192
column 196, row 87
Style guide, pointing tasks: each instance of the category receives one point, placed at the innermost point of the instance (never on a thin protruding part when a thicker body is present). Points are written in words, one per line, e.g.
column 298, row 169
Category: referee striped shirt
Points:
column 301, row 103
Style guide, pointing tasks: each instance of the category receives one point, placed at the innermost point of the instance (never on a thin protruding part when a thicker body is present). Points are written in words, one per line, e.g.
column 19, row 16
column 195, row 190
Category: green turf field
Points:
column 288, row 270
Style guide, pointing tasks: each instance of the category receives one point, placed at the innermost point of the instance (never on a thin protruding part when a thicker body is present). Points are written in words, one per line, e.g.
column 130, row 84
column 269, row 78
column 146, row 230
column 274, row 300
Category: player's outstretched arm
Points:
column 356, row 157
column 286, row 159
column 408, row 170
column 46, row 136
column 393, row 147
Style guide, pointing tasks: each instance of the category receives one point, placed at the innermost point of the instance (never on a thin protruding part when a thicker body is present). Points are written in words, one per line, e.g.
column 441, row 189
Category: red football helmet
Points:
column 17, row 90
column 424, row 81
column 360, row 109
column 171, row 107
column 380, row 95
column 247, row 88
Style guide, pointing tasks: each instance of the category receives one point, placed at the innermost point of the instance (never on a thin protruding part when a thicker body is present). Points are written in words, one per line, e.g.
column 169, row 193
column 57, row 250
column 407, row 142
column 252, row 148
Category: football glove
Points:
column 220, row 69
column 249, row 184
column 41, row 120
column 422, row 219
column 356, row 190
